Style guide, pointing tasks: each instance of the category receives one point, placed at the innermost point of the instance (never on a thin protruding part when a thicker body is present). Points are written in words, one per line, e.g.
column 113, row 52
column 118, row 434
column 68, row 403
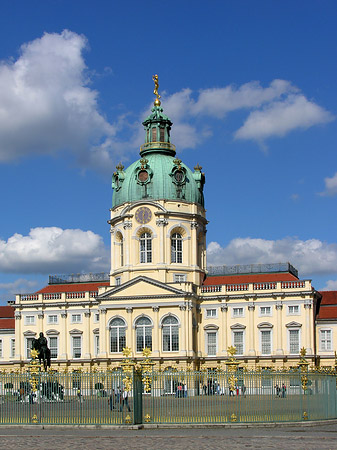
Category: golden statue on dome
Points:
column 155, row 91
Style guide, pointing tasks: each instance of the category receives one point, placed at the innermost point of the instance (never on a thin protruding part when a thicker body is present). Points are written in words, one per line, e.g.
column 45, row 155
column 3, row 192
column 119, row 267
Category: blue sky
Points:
column 250, row 87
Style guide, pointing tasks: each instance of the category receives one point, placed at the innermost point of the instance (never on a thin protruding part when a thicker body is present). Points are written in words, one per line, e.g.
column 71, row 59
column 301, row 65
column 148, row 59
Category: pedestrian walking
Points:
column 284, row 390
column 126, row 400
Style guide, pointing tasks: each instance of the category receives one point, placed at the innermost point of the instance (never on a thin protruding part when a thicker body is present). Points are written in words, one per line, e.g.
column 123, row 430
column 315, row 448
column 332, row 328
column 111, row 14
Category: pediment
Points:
column 29, row 333
column 265, row 325
column 238, row 326
column 52, row 333
column 142, row 287
column 293, row 325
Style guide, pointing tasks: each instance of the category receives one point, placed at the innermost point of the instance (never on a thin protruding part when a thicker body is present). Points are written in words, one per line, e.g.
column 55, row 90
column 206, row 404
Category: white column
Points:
column 103, row 334
column 279, row 346
column 19, row 354
column 308, row 326
column 251, row 312
column 87, row 337
column 223, row 338
column 156, row 350
column 64, row 337
column 129, row 339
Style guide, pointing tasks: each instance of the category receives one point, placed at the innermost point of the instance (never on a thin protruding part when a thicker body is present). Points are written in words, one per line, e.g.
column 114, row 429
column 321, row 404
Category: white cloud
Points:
column 219, row 101
column 330, row 186
column 281, row 117
column 21, row 285
column 52, row 250
column 309, row 257
column 331, row 285
column 46, row 104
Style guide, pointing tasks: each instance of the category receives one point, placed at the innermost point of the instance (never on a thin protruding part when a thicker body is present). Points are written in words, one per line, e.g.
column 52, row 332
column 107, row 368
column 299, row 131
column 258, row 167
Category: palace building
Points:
column 159, row 292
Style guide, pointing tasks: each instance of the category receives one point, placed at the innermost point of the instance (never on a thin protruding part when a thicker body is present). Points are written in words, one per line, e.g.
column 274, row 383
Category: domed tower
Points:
column 158, row 222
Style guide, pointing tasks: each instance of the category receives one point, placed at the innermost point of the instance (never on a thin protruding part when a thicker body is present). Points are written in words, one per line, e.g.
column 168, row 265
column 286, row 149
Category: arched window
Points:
column 176, row 248
column 143, row 333
column 117, row 335
column 119, row 239
column 145, row 248
column 170, row 334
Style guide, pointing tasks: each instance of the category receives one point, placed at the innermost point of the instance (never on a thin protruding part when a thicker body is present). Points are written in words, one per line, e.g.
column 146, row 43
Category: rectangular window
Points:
column 293, row 309
column 179, row 277
column 238, row 342
column 52, row 318
column 77, row 346
column 162, row 134
column 1, row 355
column 265, row 342
column 211, row 313
column 265, row 310
column 12, row 348
column 211, row 343
column 76, row 318
column 30, row 320
column 325, row 340
column 53, row 341
column 29, row 342
column 237, row 312
column 96, row 339
column 294, row 341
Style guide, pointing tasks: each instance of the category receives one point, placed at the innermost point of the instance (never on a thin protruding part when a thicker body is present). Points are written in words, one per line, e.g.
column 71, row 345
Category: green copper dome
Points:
column 158, row 174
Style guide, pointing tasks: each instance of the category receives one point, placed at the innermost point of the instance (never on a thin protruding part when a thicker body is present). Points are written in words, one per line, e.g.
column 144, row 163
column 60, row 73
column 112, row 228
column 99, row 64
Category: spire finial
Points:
column 156, row 85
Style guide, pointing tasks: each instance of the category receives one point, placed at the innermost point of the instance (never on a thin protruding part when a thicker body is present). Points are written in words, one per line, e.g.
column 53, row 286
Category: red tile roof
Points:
column 251, row 278
column 328, row 306
column 7, row 324
column 72, row 287
column 6, row 312
column 7, row 320
column 327, row 312
column 329, row 297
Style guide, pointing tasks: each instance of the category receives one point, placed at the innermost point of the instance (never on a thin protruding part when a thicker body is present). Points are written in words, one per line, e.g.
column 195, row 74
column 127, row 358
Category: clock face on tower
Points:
column 143, row 215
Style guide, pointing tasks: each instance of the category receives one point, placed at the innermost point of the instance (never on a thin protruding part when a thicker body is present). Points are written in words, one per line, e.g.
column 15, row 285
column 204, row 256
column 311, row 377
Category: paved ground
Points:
column 310, row 437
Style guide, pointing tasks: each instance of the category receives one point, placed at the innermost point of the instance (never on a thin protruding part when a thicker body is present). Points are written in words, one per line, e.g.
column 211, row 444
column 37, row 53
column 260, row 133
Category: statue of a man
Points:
column 42, row 341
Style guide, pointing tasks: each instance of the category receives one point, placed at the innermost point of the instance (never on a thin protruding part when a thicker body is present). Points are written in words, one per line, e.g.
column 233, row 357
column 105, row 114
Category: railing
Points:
column 78, row 278
column 215, row 288
column 175, row 397
column 157, row 145
column 252, row 269
column 28, row 297
column 75, row 295
column 55, row 296
column 237, row 287
column 262, row 286
column 273, row 285
column 292, row 284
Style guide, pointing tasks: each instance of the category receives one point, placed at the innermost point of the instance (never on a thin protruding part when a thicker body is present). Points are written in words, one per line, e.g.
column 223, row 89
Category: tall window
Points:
column 117, row 335
column 265, row 342
column 12, row 348
column 96, row 340
column 325, row 340
column 211, row 343
column 143, row 333
column 119, row 239
column 29, row 342
column 170, row 334
column 238, row 342
column 294, row 341
column 77, row 346
column 1, row 355
column 145, row 248
column 53, row 341
column 176, row 248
